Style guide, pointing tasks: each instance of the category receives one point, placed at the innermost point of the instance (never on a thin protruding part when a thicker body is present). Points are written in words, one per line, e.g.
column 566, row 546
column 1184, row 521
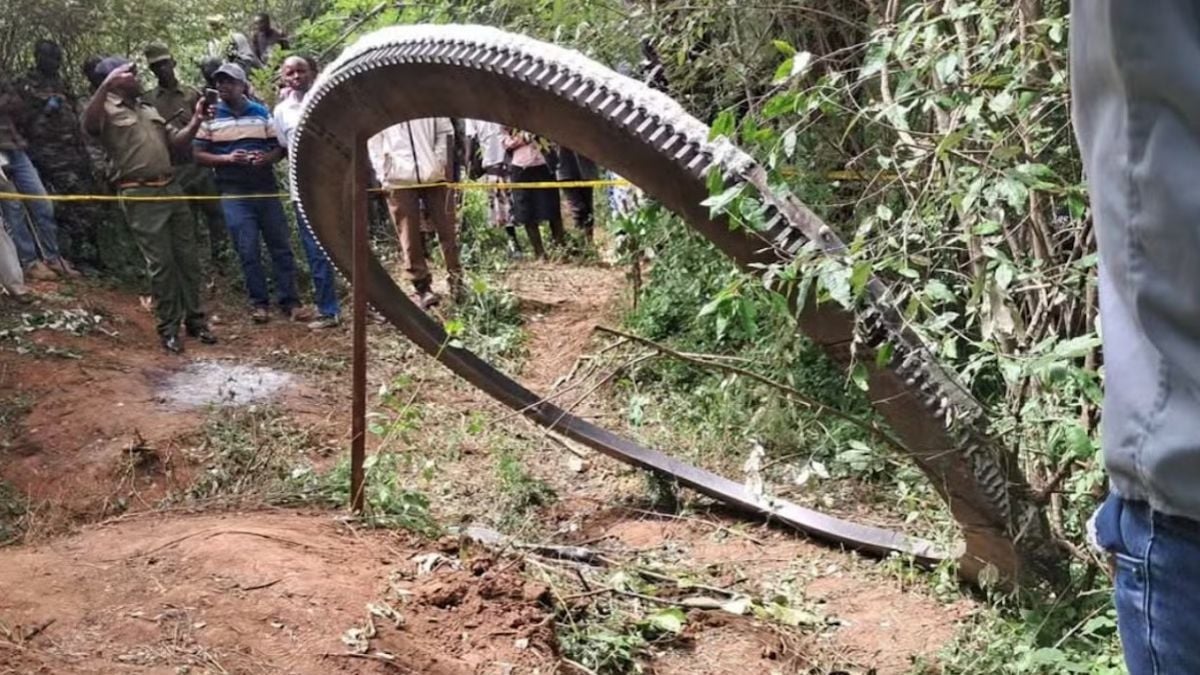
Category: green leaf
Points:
column 1076, row 347
column 835, row 279
column 718, row 204
column 947, row 68
column 860, row 277
column 669, row 620
column 784, row 71
column 860, row 377
column 724, row 125
column 1001, row 103
column 951, row 141
column 789, row 143
column 790, row 616
column 937, row 291
column 883, row 355
column 784, row 48
column 1004, row 276
column 883, row 213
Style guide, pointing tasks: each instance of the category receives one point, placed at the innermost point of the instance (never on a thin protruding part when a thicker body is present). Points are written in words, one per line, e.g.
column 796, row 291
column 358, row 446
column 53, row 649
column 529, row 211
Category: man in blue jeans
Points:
column 1136, row 87
column 37, row 248
column 240, row 143
column 298, row 73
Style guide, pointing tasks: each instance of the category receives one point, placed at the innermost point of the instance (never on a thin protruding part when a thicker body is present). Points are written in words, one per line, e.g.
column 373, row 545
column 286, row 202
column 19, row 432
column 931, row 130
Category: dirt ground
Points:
column 115, row 576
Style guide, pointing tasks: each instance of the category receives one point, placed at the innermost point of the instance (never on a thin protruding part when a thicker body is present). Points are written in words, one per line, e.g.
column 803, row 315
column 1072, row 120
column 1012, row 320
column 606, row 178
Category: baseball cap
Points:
column 155, row 52
column 107, row 65
column 232, row 70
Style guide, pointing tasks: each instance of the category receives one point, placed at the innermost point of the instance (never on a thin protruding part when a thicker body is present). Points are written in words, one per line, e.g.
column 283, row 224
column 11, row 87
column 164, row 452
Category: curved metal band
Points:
column 477, row 72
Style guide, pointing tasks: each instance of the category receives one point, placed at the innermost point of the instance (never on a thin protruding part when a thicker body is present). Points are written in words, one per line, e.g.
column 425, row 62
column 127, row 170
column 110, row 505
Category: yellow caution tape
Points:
column 833, row 175
column 282, row 195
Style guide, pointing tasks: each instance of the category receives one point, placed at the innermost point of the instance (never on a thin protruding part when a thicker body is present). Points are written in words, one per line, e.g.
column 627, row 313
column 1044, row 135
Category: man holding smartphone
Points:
column 175, row 101
column 139, row 145
column 240, row 143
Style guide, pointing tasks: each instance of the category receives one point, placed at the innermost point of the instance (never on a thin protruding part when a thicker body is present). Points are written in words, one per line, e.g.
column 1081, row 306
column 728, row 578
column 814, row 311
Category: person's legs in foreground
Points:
column 525, row 211
column 1135, row 97
column 150, row 222
column 41, row 243
column 405, row 209
column 275, row 232
column 182, row 228
column 324, row 285
column 583, row 216
column 241, row 217
column 440, row 202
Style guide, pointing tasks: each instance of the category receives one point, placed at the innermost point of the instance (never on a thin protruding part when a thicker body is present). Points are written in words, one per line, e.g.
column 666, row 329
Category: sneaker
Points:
column 40, row 271
column 325, row 322
column 300, row 314
column 427, row 299
column 65, row 268
column 260, row 315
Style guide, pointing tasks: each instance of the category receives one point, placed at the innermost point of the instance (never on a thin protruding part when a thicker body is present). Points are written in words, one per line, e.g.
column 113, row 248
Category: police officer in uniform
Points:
column 175, row 102
column 140, row 146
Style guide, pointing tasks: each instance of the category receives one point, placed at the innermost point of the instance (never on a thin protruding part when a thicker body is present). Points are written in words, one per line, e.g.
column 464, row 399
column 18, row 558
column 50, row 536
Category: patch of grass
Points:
column 12, row 409
column 488, row 322
column 388, row 502
column 14, row 508
column 521, row 492
column 1076, row 636
column 247, row 452
column 610, row 647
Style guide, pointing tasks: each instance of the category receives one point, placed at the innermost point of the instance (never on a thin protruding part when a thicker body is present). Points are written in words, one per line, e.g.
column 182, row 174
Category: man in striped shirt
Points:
column 241, row 144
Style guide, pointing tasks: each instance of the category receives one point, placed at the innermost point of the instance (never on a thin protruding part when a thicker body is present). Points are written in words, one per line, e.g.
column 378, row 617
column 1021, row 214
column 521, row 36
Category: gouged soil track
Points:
column 275, row 591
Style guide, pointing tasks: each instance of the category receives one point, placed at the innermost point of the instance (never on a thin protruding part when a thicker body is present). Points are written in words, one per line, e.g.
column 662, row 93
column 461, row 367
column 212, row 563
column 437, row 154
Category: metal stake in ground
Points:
column 358, row 282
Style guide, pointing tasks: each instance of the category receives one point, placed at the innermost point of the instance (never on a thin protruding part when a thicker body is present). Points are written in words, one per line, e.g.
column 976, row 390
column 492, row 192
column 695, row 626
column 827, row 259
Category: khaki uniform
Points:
column 137, row 141
column 193, row 179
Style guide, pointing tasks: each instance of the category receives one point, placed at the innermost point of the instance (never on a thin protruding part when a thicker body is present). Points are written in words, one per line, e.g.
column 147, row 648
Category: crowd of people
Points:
column 155, row 147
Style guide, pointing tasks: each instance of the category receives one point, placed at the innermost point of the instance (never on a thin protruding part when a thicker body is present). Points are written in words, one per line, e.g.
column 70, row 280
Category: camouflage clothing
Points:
column 51, row 127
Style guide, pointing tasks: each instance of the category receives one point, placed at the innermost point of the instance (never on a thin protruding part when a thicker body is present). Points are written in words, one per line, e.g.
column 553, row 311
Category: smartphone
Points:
column 211, row 97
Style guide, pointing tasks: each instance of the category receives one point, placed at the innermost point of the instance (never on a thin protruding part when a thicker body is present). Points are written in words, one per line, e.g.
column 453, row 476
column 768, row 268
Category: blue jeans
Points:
column 252, row 220
column 25, row 178
column 1157, row 587
column 324, row 290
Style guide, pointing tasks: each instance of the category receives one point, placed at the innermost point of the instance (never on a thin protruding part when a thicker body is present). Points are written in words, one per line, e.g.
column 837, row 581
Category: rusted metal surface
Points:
column 360, row 257
column 470, row 71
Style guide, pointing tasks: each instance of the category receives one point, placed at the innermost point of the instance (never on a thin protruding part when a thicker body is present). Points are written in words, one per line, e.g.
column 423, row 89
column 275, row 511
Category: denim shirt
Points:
column 1135, row 67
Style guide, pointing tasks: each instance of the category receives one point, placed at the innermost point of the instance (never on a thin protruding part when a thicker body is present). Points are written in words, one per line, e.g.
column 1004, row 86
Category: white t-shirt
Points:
column 491, row 141
column 412, row 152
column 287, row 118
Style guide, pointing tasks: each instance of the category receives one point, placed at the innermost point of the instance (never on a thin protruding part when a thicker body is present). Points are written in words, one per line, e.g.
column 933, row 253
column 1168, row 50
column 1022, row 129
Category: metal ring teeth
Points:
column 878, row 323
